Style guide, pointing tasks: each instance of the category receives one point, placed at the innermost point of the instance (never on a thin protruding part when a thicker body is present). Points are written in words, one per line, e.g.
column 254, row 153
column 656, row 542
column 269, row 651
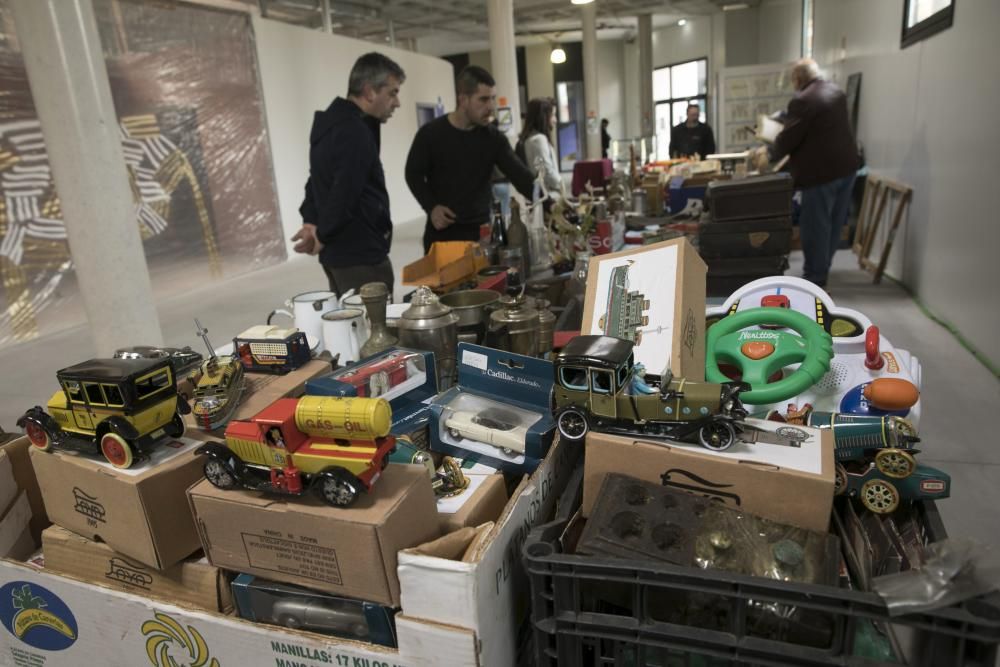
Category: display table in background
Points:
column 598, row 172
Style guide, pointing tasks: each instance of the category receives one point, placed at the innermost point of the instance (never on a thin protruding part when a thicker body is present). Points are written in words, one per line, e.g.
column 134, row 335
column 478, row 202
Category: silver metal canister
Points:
column 473, row 307
column 546, row 327
column 430, row 325
column 514, row 327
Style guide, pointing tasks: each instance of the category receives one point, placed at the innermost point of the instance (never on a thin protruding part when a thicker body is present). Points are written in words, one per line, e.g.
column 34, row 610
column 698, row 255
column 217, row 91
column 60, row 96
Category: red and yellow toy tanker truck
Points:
column 335, row 447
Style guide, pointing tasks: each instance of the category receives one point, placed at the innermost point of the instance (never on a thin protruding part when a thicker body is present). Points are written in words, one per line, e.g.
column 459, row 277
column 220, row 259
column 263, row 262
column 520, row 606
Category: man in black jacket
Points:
column 823, row 161
column 692, row 137
column 346, row 205
column 450, row 166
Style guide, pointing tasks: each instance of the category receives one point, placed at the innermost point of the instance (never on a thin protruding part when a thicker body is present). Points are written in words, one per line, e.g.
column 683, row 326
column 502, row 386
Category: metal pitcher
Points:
column 430, row 325
column 515, row 327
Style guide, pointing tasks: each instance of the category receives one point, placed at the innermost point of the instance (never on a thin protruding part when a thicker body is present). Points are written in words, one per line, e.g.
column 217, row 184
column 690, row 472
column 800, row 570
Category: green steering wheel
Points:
column 759, row 353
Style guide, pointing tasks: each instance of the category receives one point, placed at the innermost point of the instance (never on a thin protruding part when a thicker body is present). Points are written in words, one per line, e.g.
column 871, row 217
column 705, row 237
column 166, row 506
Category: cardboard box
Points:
column 483, row 598
column 140, row 512
column 263, row 389
column 110, row 627
column 345, row 551
column 484, row 592
column 15, row 537
column 656, row 295
column 484, row 500
column 786, row 484
column 192, row 582
column 24, row 477
column 8, row 487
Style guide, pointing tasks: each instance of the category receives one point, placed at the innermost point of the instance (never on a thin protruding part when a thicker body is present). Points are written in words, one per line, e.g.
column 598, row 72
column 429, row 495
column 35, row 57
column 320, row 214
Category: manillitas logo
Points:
column 36, row 616
column 169, row 645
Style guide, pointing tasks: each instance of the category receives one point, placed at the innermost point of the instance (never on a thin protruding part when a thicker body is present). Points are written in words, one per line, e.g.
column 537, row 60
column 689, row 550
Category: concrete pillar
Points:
column 70, row 88
column 327, row 23
column 503, row 59
column 646, row 111
column 591, row 93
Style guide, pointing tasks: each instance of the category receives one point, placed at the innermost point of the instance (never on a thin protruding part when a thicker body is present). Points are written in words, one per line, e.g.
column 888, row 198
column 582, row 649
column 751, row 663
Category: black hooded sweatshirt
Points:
column 345, row 195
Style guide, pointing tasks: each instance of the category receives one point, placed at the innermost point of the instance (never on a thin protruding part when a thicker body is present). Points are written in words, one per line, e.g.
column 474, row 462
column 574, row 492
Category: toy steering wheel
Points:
column 759, row 353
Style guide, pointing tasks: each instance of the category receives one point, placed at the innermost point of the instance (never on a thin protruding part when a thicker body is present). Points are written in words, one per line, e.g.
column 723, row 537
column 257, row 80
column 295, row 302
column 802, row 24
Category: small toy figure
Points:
column 639, row 385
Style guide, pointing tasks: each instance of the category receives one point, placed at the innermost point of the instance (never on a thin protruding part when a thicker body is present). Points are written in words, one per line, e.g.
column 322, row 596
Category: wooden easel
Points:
column 882, row 196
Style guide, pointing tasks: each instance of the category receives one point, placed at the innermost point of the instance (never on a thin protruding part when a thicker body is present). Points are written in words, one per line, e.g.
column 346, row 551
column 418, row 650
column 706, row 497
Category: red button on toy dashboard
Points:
column 756, row 349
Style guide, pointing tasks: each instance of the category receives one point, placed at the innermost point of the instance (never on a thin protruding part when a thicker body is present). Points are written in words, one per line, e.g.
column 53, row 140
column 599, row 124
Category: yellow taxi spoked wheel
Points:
column 895, row 463
column 38, row 436
column 117, row 450
column 879, row 496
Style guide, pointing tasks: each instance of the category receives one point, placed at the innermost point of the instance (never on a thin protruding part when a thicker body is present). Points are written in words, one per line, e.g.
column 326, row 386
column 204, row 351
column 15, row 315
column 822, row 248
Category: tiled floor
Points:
column 959, row 394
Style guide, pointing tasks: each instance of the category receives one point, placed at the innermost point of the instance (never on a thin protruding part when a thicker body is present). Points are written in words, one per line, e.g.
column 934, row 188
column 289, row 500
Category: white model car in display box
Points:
column 492, row 426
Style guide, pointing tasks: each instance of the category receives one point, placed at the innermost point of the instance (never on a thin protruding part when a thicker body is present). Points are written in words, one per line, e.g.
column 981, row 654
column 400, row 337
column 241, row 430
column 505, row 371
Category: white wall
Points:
column 927, row 117
column 675, row 43
column 301, row 72
column 742, row 37
column 779, row 31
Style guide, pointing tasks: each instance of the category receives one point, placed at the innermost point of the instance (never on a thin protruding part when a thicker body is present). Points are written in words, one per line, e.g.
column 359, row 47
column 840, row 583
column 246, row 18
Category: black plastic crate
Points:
column 592, row 612
column 765, row 237
column 754, row 197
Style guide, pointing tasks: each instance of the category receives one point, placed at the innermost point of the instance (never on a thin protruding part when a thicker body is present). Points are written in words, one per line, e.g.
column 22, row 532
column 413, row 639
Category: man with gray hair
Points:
column 346, row 206
column 823, row 161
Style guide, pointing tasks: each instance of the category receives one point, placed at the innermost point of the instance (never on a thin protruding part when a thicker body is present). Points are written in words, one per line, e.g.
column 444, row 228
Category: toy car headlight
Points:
column 210, row 402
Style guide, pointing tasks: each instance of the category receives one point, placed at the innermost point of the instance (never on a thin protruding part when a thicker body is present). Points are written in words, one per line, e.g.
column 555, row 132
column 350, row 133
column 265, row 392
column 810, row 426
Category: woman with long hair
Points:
column 536, row 139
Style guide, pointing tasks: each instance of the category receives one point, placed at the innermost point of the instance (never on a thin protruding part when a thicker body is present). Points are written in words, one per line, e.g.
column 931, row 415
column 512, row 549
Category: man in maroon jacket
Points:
column 823, row 161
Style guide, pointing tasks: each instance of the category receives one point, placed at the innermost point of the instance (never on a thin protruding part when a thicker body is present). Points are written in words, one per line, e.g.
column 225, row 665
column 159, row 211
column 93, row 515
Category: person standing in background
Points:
column 450, row 165
column 692, row 137
column 345, row 210
column 823, row 161
column 536, row 143
column 605, row 138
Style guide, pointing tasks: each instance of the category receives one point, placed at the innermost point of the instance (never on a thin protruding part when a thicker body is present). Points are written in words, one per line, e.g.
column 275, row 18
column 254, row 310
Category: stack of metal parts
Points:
column 747, row 233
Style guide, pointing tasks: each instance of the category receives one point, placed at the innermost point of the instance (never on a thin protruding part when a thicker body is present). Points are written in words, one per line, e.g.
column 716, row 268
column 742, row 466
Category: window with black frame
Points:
column 923, row 18
column 674, row 88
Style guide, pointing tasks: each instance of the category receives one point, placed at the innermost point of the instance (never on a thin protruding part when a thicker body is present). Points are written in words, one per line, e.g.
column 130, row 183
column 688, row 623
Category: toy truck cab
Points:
column 597, row 386
column 336, row 447
column 118, row 407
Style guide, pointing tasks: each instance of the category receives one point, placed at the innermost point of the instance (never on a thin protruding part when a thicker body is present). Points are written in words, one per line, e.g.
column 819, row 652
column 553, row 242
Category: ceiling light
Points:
column 581, row 2
column 734, row 6
column 682, row 22
column 558, row 56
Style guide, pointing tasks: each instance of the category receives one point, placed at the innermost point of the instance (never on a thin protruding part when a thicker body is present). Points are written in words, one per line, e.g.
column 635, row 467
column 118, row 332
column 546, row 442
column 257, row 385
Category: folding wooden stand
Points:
column 882, row 197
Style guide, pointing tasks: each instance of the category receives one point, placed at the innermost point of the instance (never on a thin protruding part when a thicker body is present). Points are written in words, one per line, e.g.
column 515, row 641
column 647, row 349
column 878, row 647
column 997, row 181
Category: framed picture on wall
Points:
column 923, row 18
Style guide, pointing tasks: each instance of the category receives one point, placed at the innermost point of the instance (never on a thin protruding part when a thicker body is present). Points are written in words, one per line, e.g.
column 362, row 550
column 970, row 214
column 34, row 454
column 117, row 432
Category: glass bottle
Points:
column 517, row 237
column 498, row 232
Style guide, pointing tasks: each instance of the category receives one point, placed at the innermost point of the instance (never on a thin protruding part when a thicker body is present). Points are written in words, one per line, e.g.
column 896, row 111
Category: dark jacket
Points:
column 686, row 141
column 454, row 168
column 817, row 136
column 345, row 195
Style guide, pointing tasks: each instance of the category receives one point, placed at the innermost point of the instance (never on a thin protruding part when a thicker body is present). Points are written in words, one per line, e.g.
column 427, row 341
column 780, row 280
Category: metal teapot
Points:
column 430, row 325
